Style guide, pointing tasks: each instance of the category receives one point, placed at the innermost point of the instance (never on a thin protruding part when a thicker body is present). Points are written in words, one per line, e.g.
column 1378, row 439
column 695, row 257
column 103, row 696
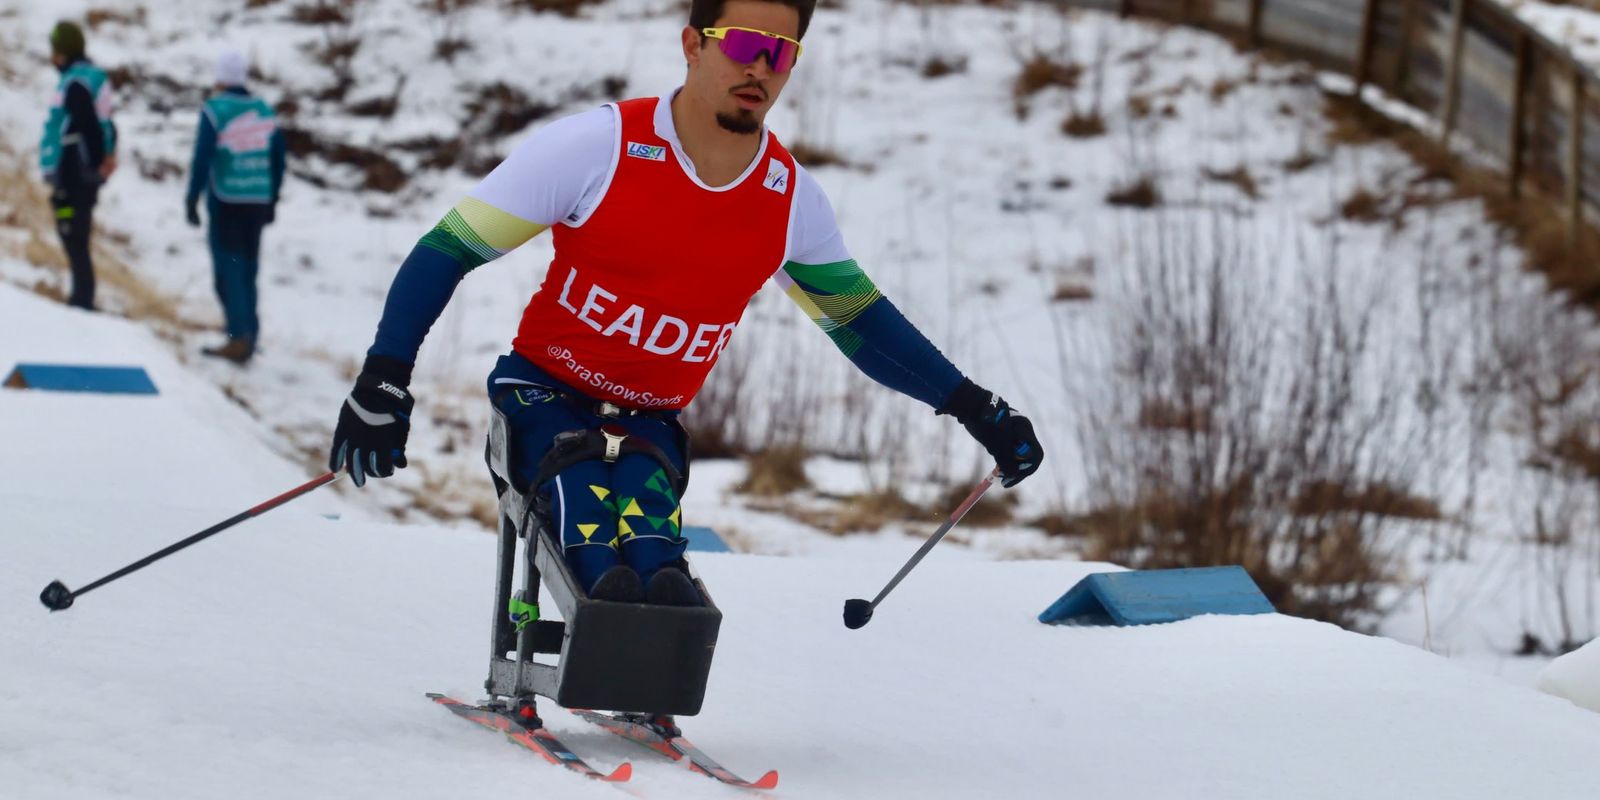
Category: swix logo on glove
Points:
column 392, row 389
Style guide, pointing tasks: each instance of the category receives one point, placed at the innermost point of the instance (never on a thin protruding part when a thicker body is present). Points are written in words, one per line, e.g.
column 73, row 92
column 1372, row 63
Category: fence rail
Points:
column 1481, row 72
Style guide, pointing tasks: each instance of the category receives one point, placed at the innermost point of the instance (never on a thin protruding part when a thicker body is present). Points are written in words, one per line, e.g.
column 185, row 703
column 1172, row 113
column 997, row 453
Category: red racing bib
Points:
column 643, row 296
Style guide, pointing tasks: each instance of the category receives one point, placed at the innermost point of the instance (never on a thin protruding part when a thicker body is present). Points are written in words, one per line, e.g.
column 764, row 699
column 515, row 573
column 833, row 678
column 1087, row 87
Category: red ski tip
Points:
column 767, row 781
column 624, row 771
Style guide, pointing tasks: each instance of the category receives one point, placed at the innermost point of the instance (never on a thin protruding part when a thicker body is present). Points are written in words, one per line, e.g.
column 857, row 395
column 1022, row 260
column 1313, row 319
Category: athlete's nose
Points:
column 759, row 69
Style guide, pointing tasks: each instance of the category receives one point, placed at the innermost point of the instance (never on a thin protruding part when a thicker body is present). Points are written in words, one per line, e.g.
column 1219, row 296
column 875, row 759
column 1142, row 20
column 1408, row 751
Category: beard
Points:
column 742, row 121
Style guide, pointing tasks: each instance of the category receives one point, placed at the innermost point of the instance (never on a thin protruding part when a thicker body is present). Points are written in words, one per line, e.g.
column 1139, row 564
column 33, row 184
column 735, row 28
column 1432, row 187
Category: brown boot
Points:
column 237, row 350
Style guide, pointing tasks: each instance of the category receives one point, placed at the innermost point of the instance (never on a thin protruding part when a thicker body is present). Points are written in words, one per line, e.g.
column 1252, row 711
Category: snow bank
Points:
column 288, row 657
column 1575, row 676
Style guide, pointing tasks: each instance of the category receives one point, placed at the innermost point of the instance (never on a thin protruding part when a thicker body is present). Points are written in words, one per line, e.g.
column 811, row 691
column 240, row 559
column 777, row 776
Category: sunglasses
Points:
column 745, row 45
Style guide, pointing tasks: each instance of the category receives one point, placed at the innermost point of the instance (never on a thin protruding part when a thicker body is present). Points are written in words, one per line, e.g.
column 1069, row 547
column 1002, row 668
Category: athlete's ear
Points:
column 691, row 45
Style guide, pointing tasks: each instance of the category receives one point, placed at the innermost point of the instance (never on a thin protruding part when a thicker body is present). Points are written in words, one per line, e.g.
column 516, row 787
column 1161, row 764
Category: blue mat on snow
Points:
column 1144, row 597
column 77, row 378
column 705, row 540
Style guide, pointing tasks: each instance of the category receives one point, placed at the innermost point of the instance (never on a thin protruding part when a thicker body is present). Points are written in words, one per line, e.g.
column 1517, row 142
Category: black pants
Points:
column 75, row 221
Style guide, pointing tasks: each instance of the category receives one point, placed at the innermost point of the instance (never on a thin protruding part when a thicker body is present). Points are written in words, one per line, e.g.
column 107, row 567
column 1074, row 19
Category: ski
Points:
column 671, row 744
column 533, row 737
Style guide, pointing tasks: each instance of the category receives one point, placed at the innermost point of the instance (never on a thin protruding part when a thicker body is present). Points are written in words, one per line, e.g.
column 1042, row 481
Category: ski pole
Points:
column 858, row 612
column 57, row 597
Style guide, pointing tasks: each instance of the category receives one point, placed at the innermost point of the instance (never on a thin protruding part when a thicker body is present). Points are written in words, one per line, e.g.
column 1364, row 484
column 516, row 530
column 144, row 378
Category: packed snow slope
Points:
column 288, row 657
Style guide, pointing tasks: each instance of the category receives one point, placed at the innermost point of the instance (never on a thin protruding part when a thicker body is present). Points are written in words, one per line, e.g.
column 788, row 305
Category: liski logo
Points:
column 649, row 152
column 777, row 177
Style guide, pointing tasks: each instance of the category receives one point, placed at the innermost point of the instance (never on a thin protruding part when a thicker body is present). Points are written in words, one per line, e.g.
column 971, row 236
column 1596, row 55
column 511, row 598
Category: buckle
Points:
column 607, row 410
column 614, row 435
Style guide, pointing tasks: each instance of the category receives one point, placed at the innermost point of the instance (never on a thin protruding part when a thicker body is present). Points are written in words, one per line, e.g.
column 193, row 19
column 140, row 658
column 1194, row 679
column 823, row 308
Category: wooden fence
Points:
column 1478, row 70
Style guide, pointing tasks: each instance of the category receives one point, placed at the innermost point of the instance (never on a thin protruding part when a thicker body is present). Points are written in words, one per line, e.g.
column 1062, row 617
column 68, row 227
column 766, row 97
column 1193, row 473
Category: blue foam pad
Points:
column 76, row 378
column 1144, row 597
column 705, row 540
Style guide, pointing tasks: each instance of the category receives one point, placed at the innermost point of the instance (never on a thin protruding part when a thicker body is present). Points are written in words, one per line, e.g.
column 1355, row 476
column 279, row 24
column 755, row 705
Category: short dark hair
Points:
column 705, row 13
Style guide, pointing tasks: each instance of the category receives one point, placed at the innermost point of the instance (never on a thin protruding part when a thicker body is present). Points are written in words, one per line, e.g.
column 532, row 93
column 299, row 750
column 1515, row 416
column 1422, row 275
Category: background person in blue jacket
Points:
column 238, row 162
column 77, row 152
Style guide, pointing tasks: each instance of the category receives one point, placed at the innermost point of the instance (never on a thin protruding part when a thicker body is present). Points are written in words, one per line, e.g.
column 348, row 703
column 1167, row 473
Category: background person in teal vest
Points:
column 238, row 162
column 77, row 152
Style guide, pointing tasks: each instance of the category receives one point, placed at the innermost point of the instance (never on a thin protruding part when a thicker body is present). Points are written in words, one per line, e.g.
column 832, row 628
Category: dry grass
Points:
column 1071, row 292
column 1240, row 177
column 815, row 155
column 1326, row 497
column 29, row 209
column 775, row 471
column 1362, row 206
column 874, row 511
column 939, row 66
column 1041, row 72
column 1141, row 193
column 992, row 511
column 1571, row 262
column 1079, row 125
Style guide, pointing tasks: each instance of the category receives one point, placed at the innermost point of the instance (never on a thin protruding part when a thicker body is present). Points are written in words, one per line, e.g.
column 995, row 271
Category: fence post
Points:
column 1452, row 71
column 1519, row 103
column 1255, row 22
column 1369, row 25
column 1575, row 158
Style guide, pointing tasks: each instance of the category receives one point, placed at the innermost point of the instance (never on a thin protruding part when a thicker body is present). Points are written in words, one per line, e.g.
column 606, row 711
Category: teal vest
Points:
column 241, row 166
column 55, row 125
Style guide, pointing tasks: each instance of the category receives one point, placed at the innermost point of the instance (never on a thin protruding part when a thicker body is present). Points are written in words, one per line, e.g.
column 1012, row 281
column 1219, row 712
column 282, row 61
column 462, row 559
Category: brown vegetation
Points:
column 775, row 471
column 1083, row 126
column 1240, row 177
column 1141, row 193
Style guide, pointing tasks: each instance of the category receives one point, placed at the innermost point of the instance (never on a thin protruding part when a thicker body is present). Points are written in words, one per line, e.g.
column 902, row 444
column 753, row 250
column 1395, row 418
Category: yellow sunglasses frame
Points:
column 718, row 33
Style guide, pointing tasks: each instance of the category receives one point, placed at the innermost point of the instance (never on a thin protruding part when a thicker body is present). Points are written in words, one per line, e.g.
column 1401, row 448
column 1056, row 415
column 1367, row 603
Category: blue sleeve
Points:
column 867, row 328
column 421, row 290
column 894, row 353
column 280, row 163
column 205, row 141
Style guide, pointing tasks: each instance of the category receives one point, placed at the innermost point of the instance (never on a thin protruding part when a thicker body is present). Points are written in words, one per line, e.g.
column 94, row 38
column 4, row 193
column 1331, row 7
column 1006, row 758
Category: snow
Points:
column 961, row 215
column 288, row 657
column 1575, row 676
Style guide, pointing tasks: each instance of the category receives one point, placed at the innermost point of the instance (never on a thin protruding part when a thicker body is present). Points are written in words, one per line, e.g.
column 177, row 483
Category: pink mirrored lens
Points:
column 747, row 46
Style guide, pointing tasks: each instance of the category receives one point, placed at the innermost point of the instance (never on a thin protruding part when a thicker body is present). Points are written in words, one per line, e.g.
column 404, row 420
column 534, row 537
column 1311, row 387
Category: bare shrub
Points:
column 1362, row 205
column 98, row 17
column 1270, row 429
column 815, row 155
column 1140, row 193
column 1071, row 292
column 566, row 8
column 1040, row 72
column 775, row 471
column 1239, row 177
column 938, row 66
column 1083, row 126
column 1538, row 220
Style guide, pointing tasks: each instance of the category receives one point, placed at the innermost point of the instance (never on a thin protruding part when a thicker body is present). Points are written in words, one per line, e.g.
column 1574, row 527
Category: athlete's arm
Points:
column 205, row 142
column 546, row 180
column 83, row 121
column 832, row 289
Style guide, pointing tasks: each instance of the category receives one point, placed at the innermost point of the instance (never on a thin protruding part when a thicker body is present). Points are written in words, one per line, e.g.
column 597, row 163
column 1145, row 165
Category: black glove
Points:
column 191, row 212
column 1007, row 435
column 272, row 213
column 371, row 436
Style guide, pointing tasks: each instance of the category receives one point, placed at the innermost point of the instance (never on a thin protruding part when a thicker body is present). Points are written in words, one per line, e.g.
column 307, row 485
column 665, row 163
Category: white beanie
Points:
column 233, row 69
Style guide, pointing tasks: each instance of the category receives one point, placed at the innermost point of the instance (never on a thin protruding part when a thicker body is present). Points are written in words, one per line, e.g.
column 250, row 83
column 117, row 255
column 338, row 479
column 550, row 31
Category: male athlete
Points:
column 630, row 319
